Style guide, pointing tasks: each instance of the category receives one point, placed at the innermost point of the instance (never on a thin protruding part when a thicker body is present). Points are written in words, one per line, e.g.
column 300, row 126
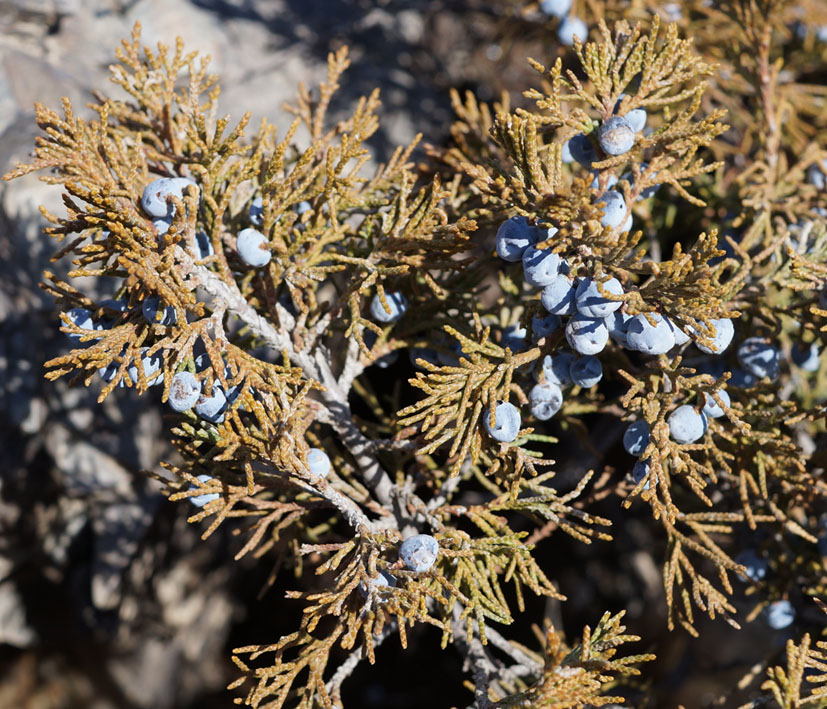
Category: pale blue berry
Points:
column 681, row 338
column 540, row 266
column 507, row 425
column 555, row 8
column 636, row 117
column 649, row 339
column 610, row 182
column 201, row 500
column 636, row 438
column 318, row 462
column 582, row 150
column 587, row 336
column 545, row 400
column 82, row 318
column 162, row 225
column 759, row 357
column 303, row 207
column 627, row 225
column 558, row 296
column 686, row 425
column 212, row 408
column 586, row 371
column 154, row 198
column 711, row 407
column 382, row 580
column 155, row 316
column 184, row 391
column 570, row 28
column 618, row 324
column 544, row 326
column 397, row 304
column 724, row 332
column 816, row 177
column 514, row 236
column 419, row 552
column 151, row 365
column 591, row 302
column 780, row 615
column 557, row 368
column 807, row 357
column 614, row 209
column 565, row 153
column 616, row 136
column 756, row 566
column 252, row 247
column 203, row 245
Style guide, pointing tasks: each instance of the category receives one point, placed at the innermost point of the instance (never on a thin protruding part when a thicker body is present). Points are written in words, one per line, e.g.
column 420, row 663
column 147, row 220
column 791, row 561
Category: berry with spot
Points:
column 419, row 552
column 807, row 357
column 154, row 197
column 586, row 372
column 545, row 400
column 540, row 266
column 587, row 336
column 591, row 302
column 212, row 408
column 251, row 245
column 184, row 391
column 543, row 326
column 318, row 462
column 614, row 209
column 507, row 424
column 650, row 339
column 616, row 136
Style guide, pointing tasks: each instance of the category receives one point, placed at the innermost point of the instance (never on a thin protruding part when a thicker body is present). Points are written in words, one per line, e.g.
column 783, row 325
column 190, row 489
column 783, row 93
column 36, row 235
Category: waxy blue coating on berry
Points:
column 201, row 500
column 184, row 391
column 382, row 580
column 82, row 318
column 636, row 117
column 514, row 236
column 643, row 337
column 565, row 153
column 759, row 357
column 256, row 211
column 544, row 326
column 686, row 425
column 556, row 368
column 507, row 425
column 540, row 266
column 756, row 566
column 780, row 615
column 614, row 209
column 587, row 336
column 212, row 408
column 618, row 324
column 681, row 338
column 610, row 182
column 570, row 28
column 807, row 357
column 724, row 332
column 555, row 8
column 252, row 247
column 616, row 136
column 397, row 303
column 711, row 407
column 558, row 296
column 151, row 365
column 318, row 462
column 153, row 199
column 591, row 303
column 586, row 371
column 162, row 225
column 545, row 400
column 150, row 310
column 636, row 438
column 582, row 150
column 419, row 552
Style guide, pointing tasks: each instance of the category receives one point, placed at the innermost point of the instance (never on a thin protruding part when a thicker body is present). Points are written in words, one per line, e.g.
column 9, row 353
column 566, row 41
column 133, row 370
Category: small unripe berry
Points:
column 587, row 336
column 252, row 247
column 586, row 371
column 419, row 552
column 184, row 391
column 636, row 438
column 616, row 136
column 318, row 462
column 507, row 425
column 514, row 236
column 686, row 425
column 545, row 400
column 590, row 301
column 397, row 305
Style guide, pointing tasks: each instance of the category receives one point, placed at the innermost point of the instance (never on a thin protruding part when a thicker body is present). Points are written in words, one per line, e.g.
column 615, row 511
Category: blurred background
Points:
column 108, row 598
